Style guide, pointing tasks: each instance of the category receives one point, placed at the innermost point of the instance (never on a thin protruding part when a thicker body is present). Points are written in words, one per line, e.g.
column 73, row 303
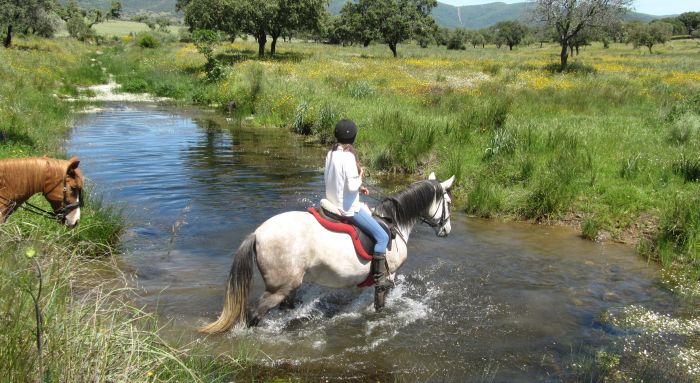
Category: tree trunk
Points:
column 273, row 46
column 262, row 41
column 392, row 46
column 649, row 46
column 510, row 47
column 8, row 38
column 564, row 56
column 366, row 43
column 577, row 50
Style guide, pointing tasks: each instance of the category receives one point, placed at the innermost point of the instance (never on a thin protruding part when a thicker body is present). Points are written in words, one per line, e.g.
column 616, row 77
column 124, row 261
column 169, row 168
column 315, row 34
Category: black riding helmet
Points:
column 345, row 131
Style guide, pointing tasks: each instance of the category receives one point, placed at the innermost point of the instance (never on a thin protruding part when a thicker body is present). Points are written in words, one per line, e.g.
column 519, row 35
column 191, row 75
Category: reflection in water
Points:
column 494, row 301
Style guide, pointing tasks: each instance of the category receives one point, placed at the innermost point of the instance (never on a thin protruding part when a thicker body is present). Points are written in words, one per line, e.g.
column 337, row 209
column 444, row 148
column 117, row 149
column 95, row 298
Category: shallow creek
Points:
column 492, row 302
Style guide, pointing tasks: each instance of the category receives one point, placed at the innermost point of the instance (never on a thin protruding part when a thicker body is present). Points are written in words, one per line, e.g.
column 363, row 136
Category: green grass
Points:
column 609, row 138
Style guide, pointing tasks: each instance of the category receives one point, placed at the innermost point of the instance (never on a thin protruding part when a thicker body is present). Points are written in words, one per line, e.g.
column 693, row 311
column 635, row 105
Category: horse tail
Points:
column 236, row 302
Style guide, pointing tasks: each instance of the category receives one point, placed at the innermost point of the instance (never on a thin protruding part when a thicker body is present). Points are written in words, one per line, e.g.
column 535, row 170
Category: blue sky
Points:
column 652, row 7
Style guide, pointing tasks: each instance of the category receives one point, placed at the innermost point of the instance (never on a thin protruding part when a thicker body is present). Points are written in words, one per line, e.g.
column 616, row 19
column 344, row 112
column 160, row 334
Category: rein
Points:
column 59, row 215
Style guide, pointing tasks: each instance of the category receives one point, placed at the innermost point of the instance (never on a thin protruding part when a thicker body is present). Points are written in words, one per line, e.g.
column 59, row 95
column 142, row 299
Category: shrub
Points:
column 502, row 142
column 255, row 75
column 484, row 200
column 302, row 123
column 679, row 232
column 409, row 141
column 630, row 167
column 572, row 67
column 328, row 115
column 555, row 188
column 134, row 85
column 684, row 127
column 590, row 228
column 688, row 168
column 359, row 89
column 148, row 41
column 489, row 113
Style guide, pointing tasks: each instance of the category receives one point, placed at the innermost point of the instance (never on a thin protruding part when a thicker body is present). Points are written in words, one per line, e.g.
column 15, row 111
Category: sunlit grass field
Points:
column 612, row 146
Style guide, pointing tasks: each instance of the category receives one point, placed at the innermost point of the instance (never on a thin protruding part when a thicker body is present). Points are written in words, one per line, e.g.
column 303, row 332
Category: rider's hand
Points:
column 363, row 189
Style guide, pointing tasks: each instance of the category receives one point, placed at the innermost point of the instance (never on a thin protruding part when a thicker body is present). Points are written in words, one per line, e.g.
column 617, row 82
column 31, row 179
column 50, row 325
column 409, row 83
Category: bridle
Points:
column 440, row 222
column 59, row 215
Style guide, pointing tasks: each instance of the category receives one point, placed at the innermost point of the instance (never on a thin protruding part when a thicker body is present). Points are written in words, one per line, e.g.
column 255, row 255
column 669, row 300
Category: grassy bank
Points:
column 65, row 314
column 610, row 147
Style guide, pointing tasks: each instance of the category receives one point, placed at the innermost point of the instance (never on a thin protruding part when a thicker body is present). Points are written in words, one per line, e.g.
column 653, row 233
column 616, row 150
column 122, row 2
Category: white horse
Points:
column 293, row 247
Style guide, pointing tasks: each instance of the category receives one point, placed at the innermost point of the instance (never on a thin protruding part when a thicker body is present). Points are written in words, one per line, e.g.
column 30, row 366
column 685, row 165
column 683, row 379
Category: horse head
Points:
column 439, row 212
column 64, row 191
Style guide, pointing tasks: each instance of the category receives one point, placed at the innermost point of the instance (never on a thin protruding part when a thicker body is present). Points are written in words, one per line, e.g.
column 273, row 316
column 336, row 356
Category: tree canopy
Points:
column 568, row 18
column 26, row 16
column 648, row 35
column 389, row 21
column 510, row 32
column 259, row 18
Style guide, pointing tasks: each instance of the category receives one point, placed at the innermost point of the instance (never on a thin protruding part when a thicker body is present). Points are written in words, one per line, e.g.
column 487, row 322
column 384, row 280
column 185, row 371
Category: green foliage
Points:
column 79, row 29
column 483, row 200
column 679, row 232
column 648, row 35
column 456, row 40
column 510, row 32
column 389, row 21
column 409, row 142
column 148, row 41
column 688, row 167
column 502, row 143
column 556, row 186
column 590, row 229
column 135, row 85
column 631, row 167
column 691, row 21
column 28, row 16
column 205, row 40
column 302, row 124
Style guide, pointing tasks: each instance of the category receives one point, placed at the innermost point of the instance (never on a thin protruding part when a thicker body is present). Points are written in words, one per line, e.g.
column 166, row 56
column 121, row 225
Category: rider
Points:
column 343, row 177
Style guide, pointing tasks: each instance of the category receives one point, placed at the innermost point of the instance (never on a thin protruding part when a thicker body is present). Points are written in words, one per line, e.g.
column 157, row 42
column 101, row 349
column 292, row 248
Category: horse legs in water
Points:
column 289, row 303
column 270, row 299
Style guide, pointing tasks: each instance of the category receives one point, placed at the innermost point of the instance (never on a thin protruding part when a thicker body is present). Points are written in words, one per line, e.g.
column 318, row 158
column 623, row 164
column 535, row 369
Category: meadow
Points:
column 611, row 147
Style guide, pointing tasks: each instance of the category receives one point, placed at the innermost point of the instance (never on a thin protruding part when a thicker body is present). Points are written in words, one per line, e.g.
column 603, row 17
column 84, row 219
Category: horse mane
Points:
column 20, row 178
column 408, row 204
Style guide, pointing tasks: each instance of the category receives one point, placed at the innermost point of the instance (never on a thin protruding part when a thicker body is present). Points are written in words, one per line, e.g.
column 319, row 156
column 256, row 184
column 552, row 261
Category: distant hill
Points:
column 481, row 16
column 130, row 6
column 467, row 16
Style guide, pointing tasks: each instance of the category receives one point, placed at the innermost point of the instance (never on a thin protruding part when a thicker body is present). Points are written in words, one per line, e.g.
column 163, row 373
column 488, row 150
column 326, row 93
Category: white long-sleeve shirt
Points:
column 343, row 182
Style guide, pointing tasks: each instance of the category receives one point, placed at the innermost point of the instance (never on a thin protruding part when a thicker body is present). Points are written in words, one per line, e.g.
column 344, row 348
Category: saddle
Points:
column 330, row 218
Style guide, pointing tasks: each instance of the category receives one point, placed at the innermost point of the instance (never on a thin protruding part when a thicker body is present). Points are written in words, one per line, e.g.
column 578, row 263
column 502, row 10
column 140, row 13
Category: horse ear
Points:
column 448, row 184
column 432, row 176
column 73, row 164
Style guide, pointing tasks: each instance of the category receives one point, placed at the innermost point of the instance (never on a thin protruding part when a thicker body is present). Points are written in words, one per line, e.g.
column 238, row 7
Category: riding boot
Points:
column 380, row 274
column 380, row 270
column 380, row 296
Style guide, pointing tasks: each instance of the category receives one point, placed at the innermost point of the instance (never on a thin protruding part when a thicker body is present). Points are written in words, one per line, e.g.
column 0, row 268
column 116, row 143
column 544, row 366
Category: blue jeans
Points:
column 363, row 219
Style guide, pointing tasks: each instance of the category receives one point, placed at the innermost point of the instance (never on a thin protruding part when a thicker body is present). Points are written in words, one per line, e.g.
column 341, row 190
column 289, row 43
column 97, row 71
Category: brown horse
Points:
column 60, row 181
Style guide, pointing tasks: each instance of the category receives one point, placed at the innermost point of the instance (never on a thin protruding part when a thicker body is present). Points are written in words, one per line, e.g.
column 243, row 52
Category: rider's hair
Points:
column 348, row 148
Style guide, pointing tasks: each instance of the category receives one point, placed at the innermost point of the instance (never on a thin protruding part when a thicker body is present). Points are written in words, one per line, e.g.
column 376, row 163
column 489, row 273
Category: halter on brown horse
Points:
column 60, row 181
